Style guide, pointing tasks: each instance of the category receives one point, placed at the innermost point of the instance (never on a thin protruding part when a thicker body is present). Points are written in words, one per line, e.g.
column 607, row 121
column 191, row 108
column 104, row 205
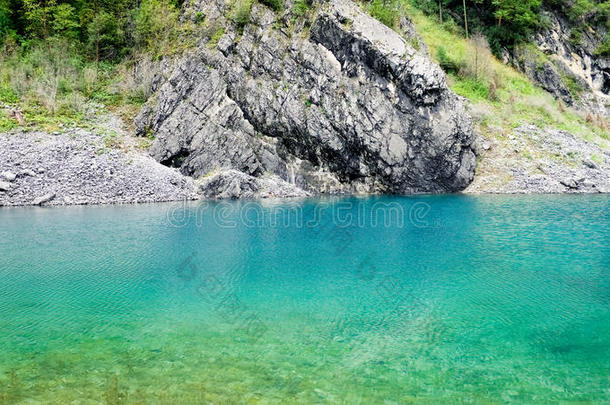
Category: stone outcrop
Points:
column 335, row 104
column 233, row 184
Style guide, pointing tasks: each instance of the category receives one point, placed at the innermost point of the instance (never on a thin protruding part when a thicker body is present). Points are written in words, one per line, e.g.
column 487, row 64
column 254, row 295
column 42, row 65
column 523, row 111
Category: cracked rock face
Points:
column 345, row 106
column 591, row 72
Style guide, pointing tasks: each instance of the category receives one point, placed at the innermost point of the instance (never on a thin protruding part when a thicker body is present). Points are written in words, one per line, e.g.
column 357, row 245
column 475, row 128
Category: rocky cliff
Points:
column 570, row 69
column 332, row 103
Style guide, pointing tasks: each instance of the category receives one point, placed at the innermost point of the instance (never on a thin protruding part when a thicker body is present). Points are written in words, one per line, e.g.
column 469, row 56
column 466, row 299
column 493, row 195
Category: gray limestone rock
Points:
column 346, row 106
column 43, row 199
column 8, row 176
column 233, row 184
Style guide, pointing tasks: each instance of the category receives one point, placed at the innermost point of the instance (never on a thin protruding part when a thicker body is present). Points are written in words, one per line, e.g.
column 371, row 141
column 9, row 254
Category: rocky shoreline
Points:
column 541, row 161
column 341, row 105
column 80, row 167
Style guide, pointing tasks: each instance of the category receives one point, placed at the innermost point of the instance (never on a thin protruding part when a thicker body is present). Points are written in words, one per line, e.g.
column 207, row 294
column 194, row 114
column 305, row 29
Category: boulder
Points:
column 43, row 199
column 233, row 184
column 5, row 186
column 8, row 176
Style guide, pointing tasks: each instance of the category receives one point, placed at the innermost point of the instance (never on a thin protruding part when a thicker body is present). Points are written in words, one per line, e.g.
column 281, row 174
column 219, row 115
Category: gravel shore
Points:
column 79, row 167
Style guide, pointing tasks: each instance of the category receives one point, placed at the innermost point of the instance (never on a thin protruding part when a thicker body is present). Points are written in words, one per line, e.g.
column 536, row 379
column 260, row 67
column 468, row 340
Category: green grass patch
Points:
column 300, row 8
column 240, row 12
column 276, row 5
column 6, row 123
column 8, row 95
column 385, row 11
column 604, row 48
column 215, row 37
column 470, row 88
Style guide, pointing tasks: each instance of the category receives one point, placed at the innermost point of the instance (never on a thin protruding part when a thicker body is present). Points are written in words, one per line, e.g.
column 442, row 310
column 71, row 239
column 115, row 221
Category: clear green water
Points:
column 489, row 299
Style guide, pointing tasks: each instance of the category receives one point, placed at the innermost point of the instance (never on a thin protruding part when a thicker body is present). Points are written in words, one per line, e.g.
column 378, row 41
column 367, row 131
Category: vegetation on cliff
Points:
column 63, row 61
column 505, row 23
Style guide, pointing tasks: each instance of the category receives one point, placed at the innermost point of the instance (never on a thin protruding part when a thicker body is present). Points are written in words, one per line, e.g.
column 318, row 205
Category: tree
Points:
column 520, row 14
column 64, row 21
column 104, row 36
column 465, row 18
column 38, row 16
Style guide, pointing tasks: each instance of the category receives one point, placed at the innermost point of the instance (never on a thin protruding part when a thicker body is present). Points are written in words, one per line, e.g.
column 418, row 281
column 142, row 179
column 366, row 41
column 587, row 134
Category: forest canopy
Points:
column 110, row 29
column 102, row 29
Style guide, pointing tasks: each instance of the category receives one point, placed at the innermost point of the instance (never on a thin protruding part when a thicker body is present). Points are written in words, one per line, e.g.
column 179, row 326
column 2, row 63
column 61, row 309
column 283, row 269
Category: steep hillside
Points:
column 528, row 141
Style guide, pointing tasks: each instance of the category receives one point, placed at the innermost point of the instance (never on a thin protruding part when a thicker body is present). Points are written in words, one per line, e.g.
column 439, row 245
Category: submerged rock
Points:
column 350, row 107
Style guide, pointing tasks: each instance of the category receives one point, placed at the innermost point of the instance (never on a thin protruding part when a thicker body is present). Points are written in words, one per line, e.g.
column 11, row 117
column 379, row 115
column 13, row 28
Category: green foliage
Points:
column 301, row 7
column 386, row 11
column 516, row 17
column 446, row 63
column 240, row 14
column 6, row 23
column 65, row 22
column 6, row 124
column 103, row 36
column 506, row 23
column 276, row 5
column 604, row 48
column 215, row 37
column 7, row 95
column 157, row 26
column 471, row 88
column 573, row 85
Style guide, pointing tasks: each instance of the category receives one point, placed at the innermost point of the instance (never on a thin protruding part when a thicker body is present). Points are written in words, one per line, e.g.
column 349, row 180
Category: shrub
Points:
column 386, row 11
column 301, row 7
column 215, row 37
column 276, row 5
column 446, row 63
column 573, row 85
column 240, row 14
column 478, row 63
column 157, row 26
column 604, row 48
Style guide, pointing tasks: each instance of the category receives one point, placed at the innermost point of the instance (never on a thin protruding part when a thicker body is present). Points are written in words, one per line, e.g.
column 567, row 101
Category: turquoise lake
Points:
column 389, row 300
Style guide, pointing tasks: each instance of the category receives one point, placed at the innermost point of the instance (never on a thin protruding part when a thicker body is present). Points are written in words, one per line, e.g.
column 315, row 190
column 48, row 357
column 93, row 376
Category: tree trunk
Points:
column 440, row 11
column 465, row 18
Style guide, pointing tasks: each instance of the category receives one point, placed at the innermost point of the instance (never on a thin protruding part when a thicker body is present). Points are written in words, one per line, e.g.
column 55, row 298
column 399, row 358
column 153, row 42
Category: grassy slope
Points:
column 517, row 100
column 54, row 89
